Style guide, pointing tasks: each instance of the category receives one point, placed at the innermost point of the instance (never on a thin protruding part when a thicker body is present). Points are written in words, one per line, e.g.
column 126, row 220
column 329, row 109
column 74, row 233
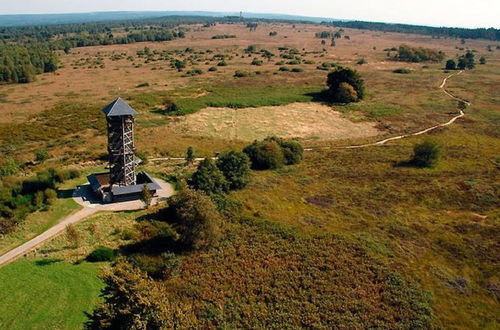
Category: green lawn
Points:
column 47, row 295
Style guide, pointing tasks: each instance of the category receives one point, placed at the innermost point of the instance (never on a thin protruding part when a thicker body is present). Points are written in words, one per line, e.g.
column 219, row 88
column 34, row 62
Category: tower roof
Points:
column 118, row 108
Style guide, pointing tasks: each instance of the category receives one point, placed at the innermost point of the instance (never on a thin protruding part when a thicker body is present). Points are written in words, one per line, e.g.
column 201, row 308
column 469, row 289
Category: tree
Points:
column 73, row 236
column 451, row 65
column 462, row 63
column 146, row 195
column 425, row 154
column 470, row 60
column 482, row 60
column 337, row 89
column 195, row 218
column 209, row 179
column 236, row 168
column 265, row 155
column 190, row 156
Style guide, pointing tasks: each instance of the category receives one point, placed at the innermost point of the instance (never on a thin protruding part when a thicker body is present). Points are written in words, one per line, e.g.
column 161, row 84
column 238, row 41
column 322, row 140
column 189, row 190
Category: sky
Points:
column 459, row 13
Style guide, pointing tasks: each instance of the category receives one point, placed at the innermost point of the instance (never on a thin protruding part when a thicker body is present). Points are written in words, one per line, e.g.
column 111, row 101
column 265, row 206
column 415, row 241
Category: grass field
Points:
column 47, row 294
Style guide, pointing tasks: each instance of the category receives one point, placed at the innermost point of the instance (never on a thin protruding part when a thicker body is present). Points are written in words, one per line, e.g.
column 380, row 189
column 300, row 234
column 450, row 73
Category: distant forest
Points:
column 463, row 33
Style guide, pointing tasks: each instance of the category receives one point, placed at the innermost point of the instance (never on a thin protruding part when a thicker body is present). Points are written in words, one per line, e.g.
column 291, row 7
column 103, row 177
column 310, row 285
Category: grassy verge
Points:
column 47, row 294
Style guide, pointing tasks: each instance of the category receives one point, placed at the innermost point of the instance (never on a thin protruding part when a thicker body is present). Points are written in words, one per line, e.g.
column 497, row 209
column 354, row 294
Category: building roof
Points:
column 118, row 108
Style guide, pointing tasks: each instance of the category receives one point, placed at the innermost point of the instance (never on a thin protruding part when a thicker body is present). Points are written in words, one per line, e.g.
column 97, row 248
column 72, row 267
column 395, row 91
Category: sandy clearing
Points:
column 302, row 120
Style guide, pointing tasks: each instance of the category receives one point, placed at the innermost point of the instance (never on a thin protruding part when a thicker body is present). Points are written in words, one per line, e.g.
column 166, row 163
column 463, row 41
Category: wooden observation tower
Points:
column 121, row 150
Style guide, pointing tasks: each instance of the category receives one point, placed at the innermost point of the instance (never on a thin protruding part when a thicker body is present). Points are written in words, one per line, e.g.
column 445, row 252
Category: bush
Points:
column 236, row 168
column 222, row 63
column 284, row 68
column 425, row 154
column 265, row 155
column 145, row 84
column 451, row 65
column 337, row 90
column 257, row 62
column 482, row 60
column 212, row 69
column 241, row 74
column 101, row 254
column 345, row 94
column 292, row 151
column 41, row 155
column 362, row 61
column 297, row 70
column 209, row 179
column 402, row 71
column 195, row 218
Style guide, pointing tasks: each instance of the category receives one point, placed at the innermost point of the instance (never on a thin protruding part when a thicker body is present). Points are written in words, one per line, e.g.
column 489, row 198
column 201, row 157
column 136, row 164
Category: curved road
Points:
column 83, row 196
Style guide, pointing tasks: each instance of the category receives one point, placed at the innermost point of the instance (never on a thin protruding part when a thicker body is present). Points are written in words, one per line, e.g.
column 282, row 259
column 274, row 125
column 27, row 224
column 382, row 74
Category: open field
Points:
column 47, row 294
column 436, row 228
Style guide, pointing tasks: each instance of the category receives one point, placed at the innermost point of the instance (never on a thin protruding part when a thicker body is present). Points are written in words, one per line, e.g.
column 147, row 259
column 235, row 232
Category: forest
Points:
column 447, row 32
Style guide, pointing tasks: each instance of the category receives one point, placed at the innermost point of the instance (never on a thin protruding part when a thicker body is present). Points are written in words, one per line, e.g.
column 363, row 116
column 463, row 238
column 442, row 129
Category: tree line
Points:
column 480, row 33
column 21, row 63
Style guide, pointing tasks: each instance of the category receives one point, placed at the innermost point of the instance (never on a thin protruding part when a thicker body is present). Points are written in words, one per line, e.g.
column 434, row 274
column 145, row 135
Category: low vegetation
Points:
column 411, row 54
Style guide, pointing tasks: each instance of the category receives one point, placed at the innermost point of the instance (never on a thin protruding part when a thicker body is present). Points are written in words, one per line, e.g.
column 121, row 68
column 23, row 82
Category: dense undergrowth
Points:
column 264, row 275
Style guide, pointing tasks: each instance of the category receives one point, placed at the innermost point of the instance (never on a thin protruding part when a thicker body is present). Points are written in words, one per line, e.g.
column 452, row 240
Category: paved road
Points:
column 83, row 196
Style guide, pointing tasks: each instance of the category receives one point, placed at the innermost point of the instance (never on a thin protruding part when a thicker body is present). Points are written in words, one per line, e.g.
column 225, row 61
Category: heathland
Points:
column 349, row 237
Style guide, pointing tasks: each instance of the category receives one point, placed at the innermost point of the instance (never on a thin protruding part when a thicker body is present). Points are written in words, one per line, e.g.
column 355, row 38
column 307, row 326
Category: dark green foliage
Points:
column 451, row 65
column 482, row 60
column 101, row 254
column 297, row 70
column 462, row 63
column 209, row 179
column 265, row 155
column 338, row 89
column 470, row 60
column 480, row 33
column 402, row 71
column 179, row 65
column 194, row 72
column 21, row 63
column 236, row 168
column 292, row 150
column 145, row 84
column 195, row 218
column 222, row 63
column 212, row 69
column 273, row 33
column 224, row 36
column 425, row 154
column 420, row 54
column 190, row 155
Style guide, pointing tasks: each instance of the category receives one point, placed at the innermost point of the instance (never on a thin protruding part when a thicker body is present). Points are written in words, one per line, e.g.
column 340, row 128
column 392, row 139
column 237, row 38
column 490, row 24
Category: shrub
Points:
column 482, row 60
column 451, row 65
column 265, row 155
column 194, row 72
column 297, row 70
column 209, row 179
column 402, row 71
column 362, row 61
column 425, row 154
column 41, row 155
column 236, row 168
column 212, row 69
column 9, row 167
column 337, row 89
column 195, row 218
column 284, row 68
column 145, row 84
column 50, row 195
column 292, row 151
column 241, row 74
column 101, row 254
column 257, row 62
column 345, row 94
column 222, row 63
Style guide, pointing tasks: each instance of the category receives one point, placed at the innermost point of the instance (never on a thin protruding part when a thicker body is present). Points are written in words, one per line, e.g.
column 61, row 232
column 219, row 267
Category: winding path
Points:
column 381, row 142
column 83, row 196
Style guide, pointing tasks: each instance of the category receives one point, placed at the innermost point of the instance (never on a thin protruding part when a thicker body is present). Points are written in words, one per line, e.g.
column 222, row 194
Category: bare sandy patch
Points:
column 301, row 120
